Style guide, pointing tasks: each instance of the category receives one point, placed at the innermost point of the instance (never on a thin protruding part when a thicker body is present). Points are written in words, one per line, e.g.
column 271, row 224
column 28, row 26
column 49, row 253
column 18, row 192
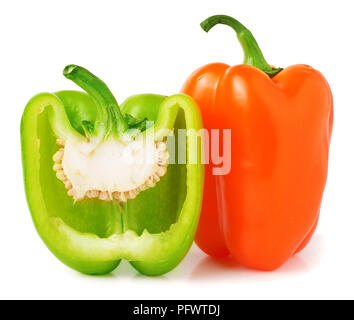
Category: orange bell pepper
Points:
column 267, row 207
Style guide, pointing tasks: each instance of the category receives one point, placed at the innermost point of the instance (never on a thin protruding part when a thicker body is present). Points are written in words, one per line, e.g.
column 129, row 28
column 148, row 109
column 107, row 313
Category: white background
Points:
column 152, row 46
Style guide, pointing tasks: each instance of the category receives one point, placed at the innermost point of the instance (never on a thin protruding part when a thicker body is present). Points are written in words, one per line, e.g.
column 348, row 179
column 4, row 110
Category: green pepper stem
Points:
column 107, row 120
column 253, row 55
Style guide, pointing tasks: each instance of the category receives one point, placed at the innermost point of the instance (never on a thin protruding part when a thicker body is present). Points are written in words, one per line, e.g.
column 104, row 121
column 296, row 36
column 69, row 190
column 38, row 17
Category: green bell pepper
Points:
column 90, row 207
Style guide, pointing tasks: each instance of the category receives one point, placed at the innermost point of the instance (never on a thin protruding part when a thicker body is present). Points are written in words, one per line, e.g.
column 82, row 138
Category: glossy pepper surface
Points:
column 267, row 207
column 90, row 207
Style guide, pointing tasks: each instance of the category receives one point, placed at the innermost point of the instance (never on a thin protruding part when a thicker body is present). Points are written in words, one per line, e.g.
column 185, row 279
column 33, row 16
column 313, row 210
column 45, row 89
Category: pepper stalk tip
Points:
column 69, row 69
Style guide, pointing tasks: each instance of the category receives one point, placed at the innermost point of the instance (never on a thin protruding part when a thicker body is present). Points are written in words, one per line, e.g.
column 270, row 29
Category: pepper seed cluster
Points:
column 162, row 164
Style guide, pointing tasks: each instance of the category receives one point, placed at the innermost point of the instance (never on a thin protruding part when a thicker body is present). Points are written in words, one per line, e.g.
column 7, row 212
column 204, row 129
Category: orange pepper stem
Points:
column 253, row 55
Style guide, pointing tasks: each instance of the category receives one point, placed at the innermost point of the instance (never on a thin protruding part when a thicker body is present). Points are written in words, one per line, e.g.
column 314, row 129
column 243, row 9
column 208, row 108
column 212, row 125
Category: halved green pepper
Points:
column 154, row 227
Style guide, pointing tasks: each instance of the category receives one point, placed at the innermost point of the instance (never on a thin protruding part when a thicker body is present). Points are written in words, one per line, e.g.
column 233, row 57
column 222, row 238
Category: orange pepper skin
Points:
column 267, row 207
